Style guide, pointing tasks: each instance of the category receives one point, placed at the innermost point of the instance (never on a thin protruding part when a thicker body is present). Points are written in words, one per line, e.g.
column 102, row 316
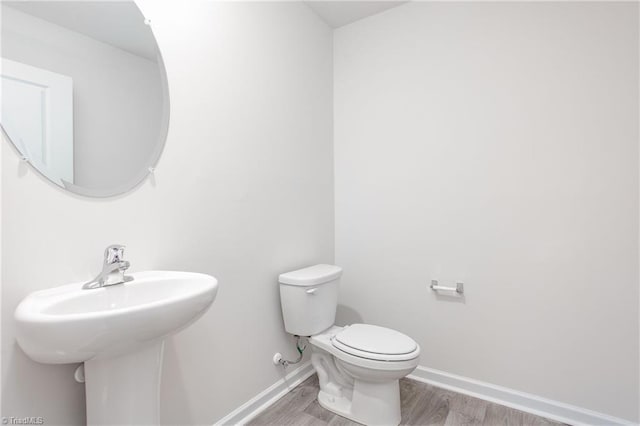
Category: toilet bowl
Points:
column 359, row 365
column 357, row 383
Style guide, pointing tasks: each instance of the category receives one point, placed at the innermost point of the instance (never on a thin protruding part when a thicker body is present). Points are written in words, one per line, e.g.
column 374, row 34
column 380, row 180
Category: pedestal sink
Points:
column 118, row 333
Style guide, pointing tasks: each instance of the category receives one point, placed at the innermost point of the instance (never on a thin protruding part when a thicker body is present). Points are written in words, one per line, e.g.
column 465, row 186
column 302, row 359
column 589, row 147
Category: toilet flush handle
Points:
column 312, row 291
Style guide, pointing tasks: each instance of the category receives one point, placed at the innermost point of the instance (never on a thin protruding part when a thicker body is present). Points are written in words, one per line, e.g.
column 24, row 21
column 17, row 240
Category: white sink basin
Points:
column 118, row 332
column 69, row 324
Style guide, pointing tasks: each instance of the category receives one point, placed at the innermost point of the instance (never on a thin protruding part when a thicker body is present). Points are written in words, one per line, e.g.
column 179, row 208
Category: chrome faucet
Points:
column 113, row 269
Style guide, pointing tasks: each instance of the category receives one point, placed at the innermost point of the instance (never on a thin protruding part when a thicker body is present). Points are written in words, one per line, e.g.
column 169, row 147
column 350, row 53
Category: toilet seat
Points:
column 375, row 343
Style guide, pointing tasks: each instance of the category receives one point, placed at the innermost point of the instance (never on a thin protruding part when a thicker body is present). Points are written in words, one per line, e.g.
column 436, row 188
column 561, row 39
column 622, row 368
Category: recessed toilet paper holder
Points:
column 459, row 288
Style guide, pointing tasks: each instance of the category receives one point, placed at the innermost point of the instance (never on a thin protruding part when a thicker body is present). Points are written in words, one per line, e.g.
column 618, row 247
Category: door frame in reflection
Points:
column 36, row 113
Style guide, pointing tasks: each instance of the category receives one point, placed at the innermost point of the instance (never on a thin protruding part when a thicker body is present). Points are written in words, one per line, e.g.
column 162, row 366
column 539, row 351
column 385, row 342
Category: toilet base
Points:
column 360, row 389
column 370, row 404
column 336, row 404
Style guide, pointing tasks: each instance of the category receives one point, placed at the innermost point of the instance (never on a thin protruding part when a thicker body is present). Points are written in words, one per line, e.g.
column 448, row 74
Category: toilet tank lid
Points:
column 313, row 275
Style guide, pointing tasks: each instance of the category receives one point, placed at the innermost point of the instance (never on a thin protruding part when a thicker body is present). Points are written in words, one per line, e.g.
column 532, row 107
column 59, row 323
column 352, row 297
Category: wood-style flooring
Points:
column 422, row 404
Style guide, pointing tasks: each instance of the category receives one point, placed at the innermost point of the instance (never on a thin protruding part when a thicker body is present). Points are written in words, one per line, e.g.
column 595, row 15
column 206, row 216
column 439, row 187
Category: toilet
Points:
column 358, row 365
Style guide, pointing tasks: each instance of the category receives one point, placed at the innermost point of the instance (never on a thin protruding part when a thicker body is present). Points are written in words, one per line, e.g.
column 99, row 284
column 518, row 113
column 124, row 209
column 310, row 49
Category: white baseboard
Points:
column 533, row 404
column 522, row 401
column 267, row 397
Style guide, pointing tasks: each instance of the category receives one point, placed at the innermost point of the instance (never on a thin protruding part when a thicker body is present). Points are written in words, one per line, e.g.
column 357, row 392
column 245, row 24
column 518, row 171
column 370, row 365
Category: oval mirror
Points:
column 84, row 93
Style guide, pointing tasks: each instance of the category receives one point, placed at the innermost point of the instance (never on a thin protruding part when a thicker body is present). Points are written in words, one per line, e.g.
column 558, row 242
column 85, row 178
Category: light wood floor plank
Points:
column 422, row 405
column 341, row 421
column 410, row 392
column 432, row 408
column 533, row 420
column 465, row 410
column 498, row 415
column 288, row 410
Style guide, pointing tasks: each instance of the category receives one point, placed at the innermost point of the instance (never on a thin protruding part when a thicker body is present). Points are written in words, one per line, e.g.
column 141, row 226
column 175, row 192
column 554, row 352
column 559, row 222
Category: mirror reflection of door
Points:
column 37, row 114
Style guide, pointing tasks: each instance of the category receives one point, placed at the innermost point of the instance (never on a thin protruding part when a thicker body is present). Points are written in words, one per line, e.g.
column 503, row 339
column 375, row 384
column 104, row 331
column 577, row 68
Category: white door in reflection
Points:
column 37, row 115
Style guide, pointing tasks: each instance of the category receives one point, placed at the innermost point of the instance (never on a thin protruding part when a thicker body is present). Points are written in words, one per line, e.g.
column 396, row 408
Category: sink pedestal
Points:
column 125, row 390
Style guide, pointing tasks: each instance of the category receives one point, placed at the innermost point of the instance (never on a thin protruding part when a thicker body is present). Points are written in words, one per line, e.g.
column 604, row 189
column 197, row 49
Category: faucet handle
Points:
column 113, row 254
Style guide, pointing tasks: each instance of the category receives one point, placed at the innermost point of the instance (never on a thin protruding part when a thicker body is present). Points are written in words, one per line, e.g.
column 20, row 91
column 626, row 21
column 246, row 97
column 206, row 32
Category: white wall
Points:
column 117, row 96
column 1, row 285
column 497, row 144
column 244, row 191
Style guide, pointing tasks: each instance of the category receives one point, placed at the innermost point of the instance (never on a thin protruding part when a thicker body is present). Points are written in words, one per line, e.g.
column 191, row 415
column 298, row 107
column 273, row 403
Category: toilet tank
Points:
column 309, row 299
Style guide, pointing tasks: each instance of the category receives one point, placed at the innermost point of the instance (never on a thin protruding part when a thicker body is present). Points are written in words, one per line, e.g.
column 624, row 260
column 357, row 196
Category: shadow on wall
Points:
column 346, row 315
column 67, row 408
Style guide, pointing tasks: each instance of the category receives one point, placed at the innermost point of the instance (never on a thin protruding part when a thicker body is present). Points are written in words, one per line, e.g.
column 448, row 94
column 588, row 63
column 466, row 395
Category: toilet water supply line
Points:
column 285, row 363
